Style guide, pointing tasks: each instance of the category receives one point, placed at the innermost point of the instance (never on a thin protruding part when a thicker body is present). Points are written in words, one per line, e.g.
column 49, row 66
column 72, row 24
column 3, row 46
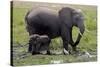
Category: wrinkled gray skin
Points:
column 44, row 21
column 40, row 44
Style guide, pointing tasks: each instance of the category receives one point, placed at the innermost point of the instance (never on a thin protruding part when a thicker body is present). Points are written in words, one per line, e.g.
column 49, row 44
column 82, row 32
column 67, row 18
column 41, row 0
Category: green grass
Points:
column 20, row 36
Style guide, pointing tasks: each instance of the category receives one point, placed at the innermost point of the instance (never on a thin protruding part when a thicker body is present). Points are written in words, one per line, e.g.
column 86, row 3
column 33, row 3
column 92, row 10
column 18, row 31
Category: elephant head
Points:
column 78, row 20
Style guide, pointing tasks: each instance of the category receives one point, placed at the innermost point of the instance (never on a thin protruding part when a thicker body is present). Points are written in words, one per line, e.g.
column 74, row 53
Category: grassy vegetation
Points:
column 20, row 36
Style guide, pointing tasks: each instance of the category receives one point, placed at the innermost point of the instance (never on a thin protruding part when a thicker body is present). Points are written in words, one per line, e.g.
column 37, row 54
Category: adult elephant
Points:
column 44, row 21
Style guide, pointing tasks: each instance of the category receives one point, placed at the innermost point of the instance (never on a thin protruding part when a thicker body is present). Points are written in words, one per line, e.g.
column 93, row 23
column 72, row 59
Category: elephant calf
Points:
column 40, row 44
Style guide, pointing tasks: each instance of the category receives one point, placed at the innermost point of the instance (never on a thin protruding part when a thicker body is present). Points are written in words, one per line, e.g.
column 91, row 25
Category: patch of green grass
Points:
column 19, row 30
column 20, row 36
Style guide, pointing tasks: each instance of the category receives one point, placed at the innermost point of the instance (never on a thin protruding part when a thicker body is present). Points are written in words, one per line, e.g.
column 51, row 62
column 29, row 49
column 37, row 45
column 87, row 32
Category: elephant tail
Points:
column 26, row 20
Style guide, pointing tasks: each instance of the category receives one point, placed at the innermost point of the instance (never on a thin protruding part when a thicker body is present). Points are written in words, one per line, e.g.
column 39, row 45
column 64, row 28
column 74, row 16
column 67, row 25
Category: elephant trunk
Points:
column 81, row 31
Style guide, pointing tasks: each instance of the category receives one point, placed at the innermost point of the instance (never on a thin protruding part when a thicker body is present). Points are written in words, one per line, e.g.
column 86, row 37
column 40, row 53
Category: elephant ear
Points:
column 65, row 15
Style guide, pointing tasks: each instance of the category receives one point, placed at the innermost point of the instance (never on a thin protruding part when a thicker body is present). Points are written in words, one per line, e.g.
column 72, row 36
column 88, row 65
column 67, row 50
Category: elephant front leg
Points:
column 65, row 45
column 66, row 38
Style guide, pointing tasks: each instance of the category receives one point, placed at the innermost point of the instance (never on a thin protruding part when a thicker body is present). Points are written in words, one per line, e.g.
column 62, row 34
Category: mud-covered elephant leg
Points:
column 66, row 38
column 70, row 39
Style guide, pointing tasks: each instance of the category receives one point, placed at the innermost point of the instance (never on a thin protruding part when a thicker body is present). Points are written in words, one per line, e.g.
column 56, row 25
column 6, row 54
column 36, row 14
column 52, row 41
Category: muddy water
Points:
column 20, row 52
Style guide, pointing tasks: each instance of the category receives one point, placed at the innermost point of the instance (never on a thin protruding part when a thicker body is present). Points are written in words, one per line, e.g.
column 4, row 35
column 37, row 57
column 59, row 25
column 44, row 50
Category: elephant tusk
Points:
column 80, row 33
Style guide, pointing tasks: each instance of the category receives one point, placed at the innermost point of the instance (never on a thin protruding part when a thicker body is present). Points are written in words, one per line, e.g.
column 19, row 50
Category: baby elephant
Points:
column 40, row 44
